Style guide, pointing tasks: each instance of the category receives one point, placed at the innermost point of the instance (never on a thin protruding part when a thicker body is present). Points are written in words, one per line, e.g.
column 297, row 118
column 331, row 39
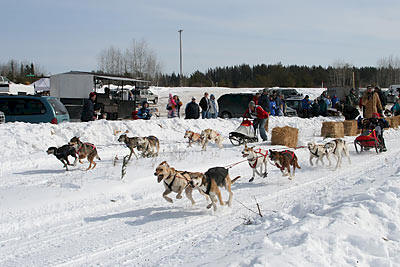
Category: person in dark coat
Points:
column 350, row 111
column 263, row 101
column 205, row 106
column 88, row 108
column 192, row 110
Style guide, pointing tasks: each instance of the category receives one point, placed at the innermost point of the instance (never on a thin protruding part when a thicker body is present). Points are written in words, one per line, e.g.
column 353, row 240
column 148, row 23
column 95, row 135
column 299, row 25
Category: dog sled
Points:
column 244, row 134
column 366, row 141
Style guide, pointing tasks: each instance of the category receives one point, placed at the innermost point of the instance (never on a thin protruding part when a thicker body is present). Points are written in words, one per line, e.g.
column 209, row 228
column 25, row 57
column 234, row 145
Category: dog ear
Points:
column 164, row 162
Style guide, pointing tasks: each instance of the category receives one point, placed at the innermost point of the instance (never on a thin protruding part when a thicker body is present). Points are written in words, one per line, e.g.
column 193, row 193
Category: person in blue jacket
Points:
column 144, row 112
column 272, row 106
column 306, row 106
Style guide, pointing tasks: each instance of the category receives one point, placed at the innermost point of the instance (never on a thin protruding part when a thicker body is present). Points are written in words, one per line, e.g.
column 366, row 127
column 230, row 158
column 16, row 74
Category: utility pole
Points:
column 180, row 58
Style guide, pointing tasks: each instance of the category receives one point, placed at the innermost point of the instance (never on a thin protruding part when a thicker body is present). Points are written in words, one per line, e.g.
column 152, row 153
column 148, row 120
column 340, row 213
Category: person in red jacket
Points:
column 260, row 117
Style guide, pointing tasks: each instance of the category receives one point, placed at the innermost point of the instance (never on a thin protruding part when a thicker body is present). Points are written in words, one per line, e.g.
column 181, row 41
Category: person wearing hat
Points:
column 144, row 112
column 371, row 102
column 192, row 110
column 88, row 108
column 260, row 117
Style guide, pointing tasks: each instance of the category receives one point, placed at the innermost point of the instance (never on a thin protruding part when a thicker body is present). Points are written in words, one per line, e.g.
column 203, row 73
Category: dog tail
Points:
column 297, row 165
column 234, row 180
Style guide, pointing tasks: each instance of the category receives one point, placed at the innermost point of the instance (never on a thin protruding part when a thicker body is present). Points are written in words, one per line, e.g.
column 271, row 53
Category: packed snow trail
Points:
column 325, row 217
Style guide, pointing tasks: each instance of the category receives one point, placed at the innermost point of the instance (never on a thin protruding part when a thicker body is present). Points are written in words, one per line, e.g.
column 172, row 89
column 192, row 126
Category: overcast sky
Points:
column 68, row 35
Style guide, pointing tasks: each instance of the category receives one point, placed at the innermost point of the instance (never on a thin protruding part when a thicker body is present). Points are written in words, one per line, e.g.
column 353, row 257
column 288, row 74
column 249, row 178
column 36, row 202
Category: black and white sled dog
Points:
column 257, row 158
column 336, row 147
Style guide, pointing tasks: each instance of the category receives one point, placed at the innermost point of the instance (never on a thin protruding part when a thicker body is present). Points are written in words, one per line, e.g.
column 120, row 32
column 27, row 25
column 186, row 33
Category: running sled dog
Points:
column 193, row 137
column 336, row 147
column 176, row 181
column 257, row 159
column 210, row 135
column 210, row 182
column 85, row 150
column 149, row 146
column 62, row 154
column 284, row 160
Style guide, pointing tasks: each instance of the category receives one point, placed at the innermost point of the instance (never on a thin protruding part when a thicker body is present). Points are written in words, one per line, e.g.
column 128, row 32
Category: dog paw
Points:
column 209, row 206
column 178, row 196
column 169, row 200
column 265, row 174
column 251, row 179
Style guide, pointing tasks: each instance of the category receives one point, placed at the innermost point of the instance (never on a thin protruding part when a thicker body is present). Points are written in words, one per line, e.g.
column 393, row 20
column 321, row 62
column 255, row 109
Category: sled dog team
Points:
column 210, row 182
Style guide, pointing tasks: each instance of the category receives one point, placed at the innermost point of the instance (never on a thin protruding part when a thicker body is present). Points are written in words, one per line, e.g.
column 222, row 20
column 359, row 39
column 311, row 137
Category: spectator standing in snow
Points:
column 260, row 117
column 371, row 103
column 279, row 105
column 350, row 111
column 171, row 107
column 263, row 101
column 205, row 105
column 178, row 105
column 192, row 110
column 144, row 112
column 88, row 108
column 272, row 106
column 306, row 106
column 213, row 110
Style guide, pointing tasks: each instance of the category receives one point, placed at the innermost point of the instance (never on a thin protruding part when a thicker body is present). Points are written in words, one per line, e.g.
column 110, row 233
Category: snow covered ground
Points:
column 49, row 217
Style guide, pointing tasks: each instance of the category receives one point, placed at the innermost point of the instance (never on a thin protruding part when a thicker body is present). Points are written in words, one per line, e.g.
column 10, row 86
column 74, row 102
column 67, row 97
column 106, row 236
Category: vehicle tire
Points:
column 226, row 115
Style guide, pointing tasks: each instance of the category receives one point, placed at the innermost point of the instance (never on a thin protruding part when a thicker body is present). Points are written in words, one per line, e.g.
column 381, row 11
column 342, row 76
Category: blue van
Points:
column 33, row 109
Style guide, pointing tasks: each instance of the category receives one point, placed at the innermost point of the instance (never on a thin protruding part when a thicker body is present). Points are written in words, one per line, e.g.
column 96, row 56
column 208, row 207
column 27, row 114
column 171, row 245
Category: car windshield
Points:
column 58, row 107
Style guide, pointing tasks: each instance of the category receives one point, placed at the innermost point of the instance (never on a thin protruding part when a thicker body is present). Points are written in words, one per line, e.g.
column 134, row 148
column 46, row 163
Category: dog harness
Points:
column 170, row 184
column 315, row 153
column 86, row 144
column 285, row 152
column 262, row 155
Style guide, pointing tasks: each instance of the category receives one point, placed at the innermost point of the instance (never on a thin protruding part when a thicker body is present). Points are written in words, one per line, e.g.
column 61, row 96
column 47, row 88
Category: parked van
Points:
column 33, row 109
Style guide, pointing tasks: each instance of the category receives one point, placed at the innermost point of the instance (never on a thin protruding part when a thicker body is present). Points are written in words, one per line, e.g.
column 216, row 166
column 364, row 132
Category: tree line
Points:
column 340, row 74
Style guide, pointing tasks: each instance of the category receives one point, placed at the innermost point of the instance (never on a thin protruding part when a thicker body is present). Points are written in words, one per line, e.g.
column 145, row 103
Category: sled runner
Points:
column 366, row 141
column 245, row 133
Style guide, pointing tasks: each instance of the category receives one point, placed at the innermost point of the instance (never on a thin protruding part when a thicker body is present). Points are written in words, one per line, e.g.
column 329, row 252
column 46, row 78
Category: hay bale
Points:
column 350, row 128
column 395, row 121
column 332, row 129
column 285, row 136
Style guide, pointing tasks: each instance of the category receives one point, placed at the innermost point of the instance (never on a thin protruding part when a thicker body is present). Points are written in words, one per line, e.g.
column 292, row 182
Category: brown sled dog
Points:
column 85, row 150
column 283, row 160
column 210, row 182
column 176, row 181
column 193, row 137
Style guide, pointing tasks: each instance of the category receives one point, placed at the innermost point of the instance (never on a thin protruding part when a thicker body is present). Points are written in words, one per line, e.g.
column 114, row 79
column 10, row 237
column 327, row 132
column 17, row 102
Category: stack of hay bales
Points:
column 332, row 129
column 350, row 128
column 285, row 136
